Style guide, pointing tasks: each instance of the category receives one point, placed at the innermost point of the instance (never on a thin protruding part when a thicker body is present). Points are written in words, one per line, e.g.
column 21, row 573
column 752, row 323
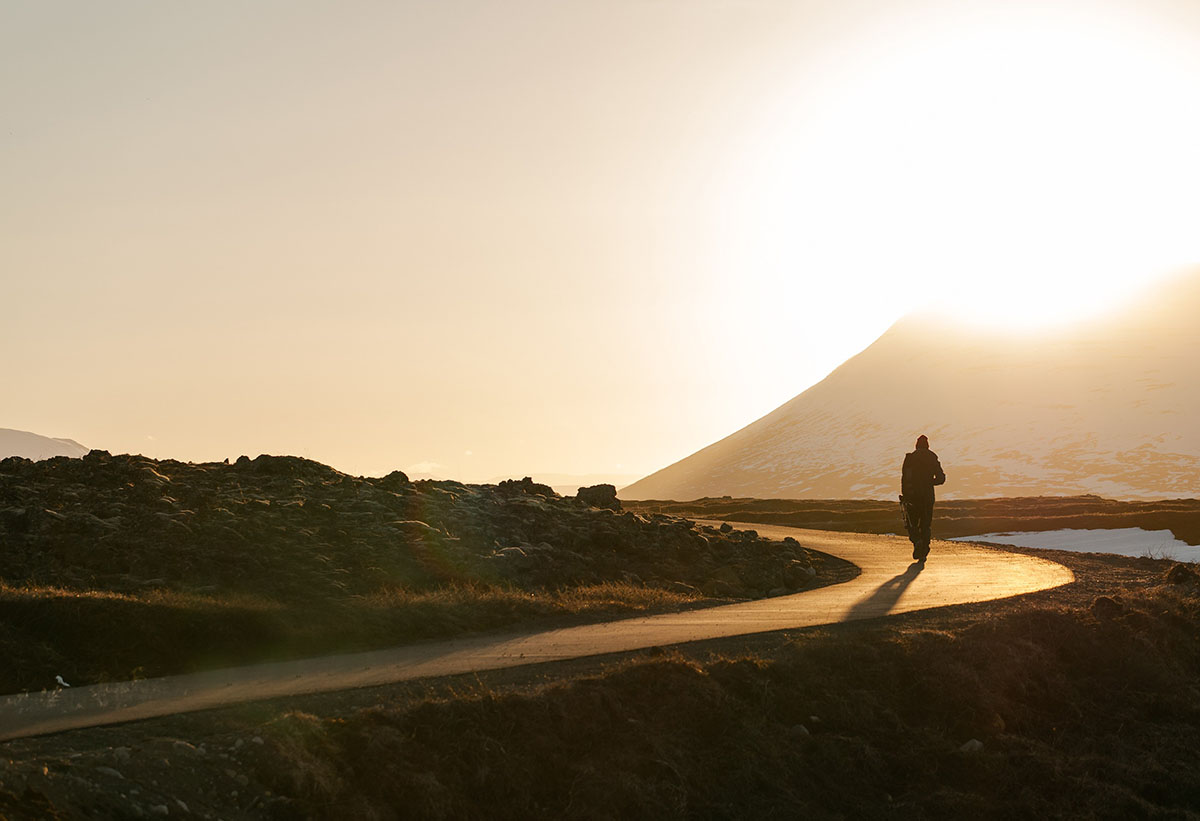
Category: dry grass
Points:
column 93, row 636
column 586, row 599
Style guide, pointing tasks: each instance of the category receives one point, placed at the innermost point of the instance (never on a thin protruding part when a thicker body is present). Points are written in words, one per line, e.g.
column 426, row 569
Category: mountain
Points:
column 31, row 446
column 1109, row 407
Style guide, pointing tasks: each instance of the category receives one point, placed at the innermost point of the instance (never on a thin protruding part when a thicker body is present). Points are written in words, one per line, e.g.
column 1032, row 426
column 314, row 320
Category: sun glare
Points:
column 1013, row 169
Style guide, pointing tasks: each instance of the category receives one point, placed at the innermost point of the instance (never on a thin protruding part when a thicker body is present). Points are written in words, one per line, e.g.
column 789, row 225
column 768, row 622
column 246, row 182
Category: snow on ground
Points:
column 1125, row 541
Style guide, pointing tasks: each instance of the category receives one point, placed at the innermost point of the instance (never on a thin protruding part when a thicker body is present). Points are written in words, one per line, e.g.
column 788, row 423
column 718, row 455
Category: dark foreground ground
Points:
column 119, row 567
column 960, row 517
column 1079, row 702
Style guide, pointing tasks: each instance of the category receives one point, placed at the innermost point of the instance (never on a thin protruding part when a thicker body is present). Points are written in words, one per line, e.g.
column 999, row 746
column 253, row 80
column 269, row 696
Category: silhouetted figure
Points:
column 921, row 472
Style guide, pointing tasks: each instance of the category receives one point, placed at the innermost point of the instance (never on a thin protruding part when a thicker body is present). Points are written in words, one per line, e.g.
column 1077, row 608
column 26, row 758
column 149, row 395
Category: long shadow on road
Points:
column 881, row 601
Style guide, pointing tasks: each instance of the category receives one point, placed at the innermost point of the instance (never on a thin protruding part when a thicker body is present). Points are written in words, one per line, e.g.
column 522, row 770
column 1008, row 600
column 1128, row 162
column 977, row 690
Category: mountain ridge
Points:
column 1101, row 406
column 34, row 446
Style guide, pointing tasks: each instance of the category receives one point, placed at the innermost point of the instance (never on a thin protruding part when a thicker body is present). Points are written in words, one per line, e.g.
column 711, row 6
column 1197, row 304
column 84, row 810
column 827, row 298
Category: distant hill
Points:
column 32, row 446
column 1106, row 407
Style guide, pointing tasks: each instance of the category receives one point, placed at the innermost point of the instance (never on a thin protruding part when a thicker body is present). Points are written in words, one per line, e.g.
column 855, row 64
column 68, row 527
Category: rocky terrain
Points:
column 952, row 518
column 120, row 566
column 1105, row 407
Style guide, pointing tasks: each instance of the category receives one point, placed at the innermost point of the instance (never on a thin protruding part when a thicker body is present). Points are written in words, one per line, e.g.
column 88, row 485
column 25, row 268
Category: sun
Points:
column 1016, row 168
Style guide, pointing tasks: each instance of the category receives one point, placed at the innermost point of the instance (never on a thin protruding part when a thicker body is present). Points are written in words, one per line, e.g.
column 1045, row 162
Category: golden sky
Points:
column 484, row 238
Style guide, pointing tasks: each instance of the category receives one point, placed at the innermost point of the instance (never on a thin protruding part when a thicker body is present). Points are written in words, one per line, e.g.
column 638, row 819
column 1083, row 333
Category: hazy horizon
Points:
column 584, row 239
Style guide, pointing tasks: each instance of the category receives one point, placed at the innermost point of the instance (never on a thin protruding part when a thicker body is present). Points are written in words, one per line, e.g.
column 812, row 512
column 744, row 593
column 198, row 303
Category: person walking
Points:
column 921, row 473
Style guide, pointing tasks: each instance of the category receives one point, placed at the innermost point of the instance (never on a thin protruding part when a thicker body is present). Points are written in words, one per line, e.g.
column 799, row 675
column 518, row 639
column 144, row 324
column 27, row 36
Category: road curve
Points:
column 890, row 582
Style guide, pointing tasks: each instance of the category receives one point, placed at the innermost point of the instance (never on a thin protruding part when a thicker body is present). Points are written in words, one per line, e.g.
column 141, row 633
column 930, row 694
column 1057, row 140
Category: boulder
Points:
column 602, row 496
column 16, row 519
column 797, row 574
column 416, row 531
column 1106, row 607
column 526, row 486
column 396, row 480
column 718, row 589
column 268, row 465
column 728, row 575
column 1182, row 574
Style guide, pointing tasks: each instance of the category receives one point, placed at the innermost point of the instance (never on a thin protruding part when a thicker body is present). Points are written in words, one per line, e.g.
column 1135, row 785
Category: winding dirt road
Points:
column 890, row 583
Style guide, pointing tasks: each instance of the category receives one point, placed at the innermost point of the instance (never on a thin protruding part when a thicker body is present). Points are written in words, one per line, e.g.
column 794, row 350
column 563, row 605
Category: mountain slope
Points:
column 32, row 446
column 1107, row 407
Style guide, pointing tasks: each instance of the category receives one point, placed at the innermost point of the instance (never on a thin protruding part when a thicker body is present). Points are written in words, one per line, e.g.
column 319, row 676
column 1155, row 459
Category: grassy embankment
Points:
column 118, row 567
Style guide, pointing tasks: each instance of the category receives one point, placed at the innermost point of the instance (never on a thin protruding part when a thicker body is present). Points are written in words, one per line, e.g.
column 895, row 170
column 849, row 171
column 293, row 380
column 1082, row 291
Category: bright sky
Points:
column 483, row 238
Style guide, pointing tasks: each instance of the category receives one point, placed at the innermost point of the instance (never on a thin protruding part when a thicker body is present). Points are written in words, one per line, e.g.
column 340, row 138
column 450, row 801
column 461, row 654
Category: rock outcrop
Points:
column 296, row 529
column 603, row 496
